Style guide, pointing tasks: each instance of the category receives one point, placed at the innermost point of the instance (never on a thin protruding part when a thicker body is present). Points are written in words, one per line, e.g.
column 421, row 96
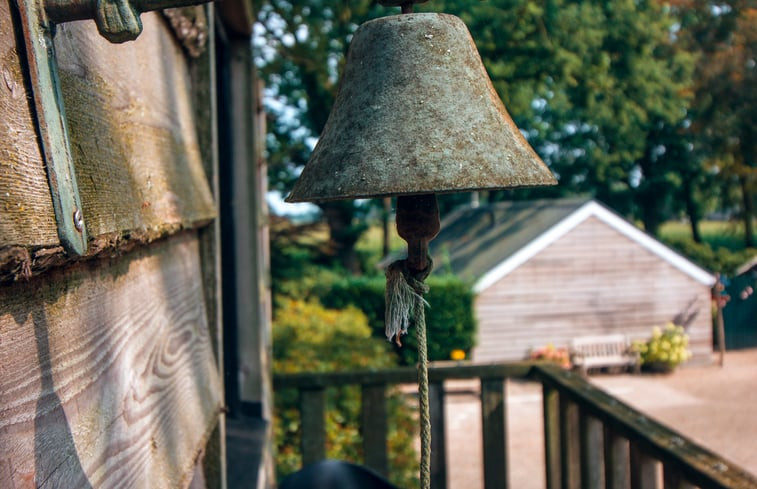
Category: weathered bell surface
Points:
column 416, row 113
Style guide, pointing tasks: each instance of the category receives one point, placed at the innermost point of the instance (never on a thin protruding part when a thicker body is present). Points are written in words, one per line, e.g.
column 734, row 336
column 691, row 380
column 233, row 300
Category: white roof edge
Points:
column 593, row 208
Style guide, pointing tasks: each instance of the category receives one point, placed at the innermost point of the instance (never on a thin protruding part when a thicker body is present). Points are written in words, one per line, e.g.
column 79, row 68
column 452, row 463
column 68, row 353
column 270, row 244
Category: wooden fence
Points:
column 591, row 439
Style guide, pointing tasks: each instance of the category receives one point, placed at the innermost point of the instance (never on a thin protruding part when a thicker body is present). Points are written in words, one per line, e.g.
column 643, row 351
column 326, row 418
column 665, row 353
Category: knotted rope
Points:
column 404, row 305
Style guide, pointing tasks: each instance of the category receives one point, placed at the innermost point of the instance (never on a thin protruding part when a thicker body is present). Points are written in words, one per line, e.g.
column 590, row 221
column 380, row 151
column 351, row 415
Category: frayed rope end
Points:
column 404, row 300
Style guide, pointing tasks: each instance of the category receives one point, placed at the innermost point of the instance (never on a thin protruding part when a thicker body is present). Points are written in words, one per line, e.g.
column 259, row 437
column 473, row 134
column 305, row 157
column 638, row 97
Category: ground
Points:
column 712, row 406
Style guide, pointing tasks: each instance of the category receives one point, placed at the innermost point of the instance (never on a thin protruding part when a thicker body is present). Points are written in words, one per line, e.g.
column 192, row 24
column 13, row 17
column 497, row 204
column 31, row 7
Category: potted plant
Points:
column 665, row 350
column 549, row 353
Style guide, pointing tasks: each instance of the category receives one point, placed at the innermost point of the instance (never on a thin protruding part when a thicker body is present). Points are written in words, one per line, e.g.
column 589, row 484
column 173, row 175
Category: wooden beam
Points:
column 644, row 469
column 438, row 436
column 375, row 426
column 313, row 421
column 569, row 444
column 494, row 432
column 553, row 465
column 592, row 467
column 617, row 470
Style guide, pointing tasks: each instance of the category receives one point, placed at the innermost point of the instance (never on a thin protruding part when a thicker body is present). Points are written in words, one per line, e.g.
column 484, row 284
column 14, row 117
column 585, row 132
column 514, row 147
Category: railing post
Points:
column 673, row 479
column 438, row 436
column 617, row 474
column 570, row 447
column 312, row 414
column 551, row 406
column 375, row 427
column 494, row 427
column 591, row 452
column 644, row 469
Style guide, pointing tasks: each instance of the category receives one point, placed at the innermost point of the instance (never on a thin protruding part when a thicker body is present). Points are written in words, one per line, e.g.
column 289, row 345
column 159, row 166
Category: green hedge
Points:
column 449, row 319
column 721, row 260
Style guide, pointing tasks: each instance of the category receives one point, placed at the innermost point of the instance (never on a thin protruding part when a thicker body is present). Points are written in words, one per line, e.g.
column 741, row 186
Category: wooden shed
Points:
column 131, row 196
column 552, row 270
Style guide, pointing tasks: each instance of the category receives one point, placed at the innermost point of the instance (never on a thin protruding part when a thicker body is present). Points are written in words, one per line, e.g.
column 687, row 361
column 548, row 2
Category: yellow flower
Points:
column 457, row 354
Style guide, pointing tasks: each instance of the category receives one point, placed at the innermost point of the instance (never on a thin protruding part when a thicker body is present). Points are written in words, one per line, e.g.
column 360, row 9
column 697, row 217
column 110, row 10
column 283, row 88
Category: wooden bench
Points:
column 600, row 351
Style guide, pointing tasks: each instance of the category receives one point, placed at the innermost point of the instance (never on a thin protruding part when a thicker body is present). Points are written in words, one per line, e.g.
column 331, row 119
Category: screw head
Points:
column 78, row 220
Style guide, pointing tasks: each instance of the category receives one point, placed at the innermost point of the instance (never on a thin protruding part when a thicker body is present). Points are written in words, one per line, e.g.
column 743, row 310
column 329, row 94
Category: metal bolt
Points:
column 78, row 220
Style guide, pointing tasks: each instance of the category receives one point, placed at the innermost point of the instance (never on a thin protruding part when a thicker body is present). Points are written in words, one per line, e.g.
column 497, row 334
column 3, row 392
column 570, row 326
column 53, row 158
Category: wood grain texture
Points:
column 26, row 209
column 132, row 130
column 591, row 281
column 107, row 374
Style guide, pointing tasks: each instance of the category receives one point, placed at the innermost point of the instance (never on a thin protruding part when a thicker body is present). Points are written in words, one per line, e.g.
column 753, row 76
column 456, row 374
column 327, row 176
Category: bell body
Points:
column 416, row 113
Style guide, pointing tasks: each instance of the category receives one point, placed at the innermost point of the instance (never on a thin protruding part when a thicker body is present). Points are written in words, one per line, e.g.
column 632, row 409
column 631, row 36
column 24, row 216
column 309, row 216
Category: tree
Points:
column 592, row 84
column 301, row 48
column 601, row 89
column 725, row 32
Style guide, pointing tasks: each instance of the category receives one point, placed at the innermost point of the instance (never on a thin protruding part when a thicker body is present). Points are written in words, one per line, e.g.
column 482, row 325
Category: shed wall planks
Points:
column 593, row 280
column 107, row 374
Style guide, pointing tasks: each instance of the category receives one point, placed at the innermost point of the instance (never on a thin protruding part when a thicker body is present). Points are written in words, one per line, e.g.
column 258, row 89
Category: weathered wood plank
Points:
column 644, row 469
column 438, row 436
column 107, row 375
column 494, row 432
column 551, row 408
column 132, row 130
column 570, row 448
column 313, row 421
column 673, row 478
column 592, row 473
column 375, row 427
column 26, row 209
column 617, row 471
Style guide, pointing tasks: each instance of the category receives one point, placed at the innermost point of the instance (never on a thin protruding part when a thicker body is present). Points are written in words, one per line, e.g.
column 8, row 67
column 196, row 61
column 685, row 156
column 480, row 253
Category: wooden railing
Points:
column 591, row 439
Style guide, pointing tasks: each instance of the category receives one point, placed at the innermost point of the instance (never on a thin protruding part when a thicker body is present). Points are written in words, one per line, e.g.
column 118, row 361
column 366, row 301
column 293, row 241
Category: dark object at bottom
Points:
column 335, row 474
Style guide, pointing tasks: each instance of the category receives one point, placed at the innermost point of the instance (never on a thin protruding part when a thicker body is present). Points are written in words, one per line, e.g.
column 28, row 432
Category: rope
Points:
column 405, row 304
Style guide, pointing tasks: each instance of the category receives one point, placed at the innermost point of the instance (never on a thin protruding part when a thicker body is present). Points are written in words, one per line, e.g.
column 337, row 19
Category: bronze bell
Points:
column 416, row 113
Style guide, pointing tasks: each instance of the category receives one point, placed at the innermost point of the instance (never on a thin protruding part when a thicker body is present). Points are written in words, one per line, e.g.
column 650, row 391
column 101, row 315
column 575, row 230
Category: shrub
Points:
column 719, row 259
column 310, row 338
column 668, row 347
column 449, row 319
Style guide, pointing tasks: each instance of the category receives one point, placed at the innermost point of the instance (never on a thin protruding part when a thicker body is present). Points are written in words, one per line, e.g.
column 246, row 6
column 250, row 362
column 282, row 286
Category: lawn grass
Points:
column 718, row 234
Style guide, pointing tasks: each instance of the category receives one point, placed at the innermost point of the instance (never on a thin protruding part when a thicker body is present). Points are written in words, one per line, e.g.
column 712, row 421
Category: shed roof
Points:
column 485, row 243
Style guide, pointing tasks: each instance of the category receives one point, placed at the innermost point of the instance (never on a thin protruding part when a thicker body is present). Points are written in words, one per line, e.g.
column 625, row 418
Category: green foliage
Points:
column 310, row 338
column 668, row 346
column 449, row 319
column 720, row 259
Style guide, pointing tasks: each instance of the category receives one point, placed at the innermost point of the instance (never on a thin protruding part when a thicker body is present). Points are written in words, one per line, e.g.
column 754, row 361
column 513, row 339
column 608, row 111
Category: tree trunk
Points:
column 343, row 233
column 748, row 211
column 692, row 210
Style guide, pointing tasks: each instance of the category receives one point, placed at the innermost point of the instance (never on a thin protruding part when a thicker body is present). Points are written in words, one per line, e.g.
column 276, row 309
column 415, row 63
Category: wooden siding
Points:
column 593, row 280
column 133, row 138
column 107, row 374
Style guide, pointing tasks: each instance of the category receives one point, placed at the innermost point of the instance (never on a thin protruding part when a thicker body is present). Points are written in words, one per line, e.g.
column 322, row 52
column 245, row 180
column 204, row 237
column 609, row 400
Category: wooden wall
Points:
column 107, row 373
column 110, row 364
column 593, row 280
